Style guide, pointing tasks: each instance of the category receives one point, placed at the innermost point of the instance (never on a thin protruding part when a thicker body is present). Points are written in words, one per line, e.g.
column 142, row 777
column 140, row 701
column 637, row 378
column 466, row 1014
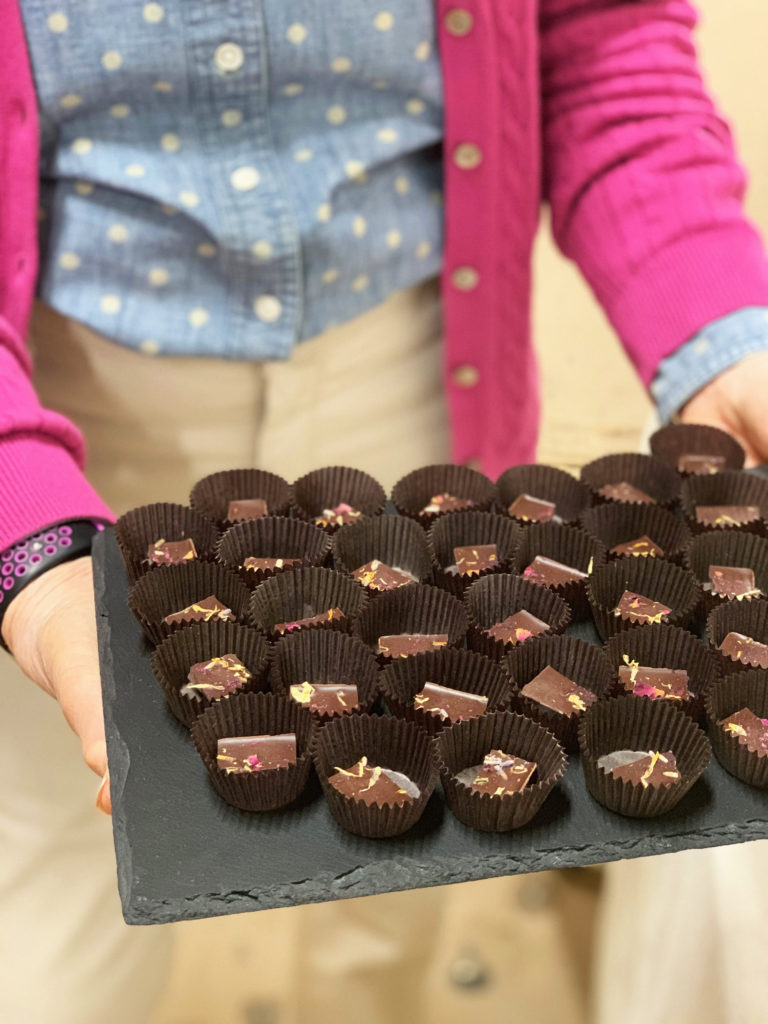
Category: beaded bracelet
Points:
column 29, row 558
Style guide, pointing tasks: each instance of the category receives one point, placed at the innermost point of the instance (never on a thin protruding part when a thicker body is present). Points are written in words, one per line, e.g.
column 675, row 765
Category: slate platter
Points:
column 183, row 854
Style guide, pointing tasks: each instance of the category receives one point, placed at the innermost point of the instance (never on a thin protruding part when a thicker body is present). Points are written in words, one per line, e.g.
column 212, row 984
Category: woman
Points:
column 224, row 182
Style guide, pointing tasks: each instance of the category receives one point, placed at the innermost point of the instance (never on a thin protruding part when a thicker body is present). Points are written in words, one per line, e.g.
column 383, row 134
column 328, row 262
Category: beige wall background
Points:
column 577, row 349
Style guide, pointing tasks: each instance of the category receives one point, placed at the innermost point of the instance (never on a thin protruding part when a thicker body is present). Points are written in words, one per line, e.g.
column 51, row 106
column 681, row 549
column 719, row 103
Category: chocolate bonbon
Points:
column 749, row 729
column 732, row 582
column 649, row 769
column 240, row 509
column 379, row 576
column 326, row 698
column 200, row 611
column 552, row 573
column 374, row 785
column 531, row 509
column 500, row 774
column 218, row 677
column 557, row 692
column 517, row 628
column 640, row 546
column 171, row 552
column 638, row 608
column 401, row 645
column 622, row 490
column 727, row 515
column 246, row 754
column 448, row 704
column 655, row 683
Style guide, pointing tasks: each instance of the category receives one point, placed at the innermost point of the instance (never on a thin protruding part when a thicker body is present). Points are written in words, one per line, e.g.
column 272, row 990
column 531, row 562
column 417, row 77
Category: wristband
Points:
column 24, row 561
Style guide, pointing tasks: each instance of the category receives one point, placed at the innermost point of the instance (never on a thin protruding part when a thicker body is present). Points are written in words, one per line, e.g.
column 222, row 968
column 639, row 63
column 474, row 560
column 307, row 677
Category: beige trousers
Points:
column 368, row 394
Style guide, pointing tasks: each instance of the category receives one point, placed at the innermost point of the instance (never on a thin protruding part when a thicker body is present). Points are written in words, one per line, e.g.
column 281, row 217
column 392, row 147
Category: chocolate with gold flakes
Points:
column 551, row 573
column 638, row 608
column 732, row 582
column 745, row 650
column 701, row 465
column 241, row 509
column 379, row 576
column 471, row 560
column 402, row 645
column 557, row 692
column 243, row 755
column 445, row 502
column 341, row 515
column 532, row 510
column 727, row 515
column 215, row 678
column 517, row 628
column 449, row 705
column 749, row 729
column 332, row 615
column 374, row 785
column 500, row 774
column 269, row 564
column 201, row 611
column 326, row 698
column 624, row 491
column 171, row 552
column 654, row 768
column 640, row 547
column 655, row 683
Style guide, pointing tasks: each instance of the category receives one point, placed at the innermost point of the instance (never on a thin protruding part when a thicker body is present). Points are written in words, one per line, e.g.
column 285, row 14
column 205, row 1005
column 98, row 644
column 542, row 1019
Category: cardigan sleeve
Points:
column 640, row 171
column 41, row 453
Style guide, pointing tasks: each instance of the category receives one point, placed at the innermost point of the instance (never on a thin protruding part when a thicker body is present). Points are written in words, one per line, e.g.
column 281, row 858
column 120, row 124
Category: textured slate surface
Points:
column 182, row 853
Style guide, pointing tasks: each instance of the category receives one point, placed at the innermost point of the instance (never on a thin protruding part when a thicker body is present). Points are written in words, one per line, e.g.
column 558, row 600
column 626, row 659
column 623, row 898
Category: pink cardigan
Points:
column 595, row 105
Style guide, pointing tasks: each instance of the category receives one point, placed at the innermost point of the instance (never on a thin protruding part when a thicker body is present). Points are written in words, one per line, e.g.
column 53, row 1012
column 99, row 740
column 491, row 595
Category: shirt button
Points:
column 268, row 308
column 467, row 156
column 459, row 22
column 467, row 972
column 465, row 376
column 466, row 279
column 228, row 57
column 245, row 178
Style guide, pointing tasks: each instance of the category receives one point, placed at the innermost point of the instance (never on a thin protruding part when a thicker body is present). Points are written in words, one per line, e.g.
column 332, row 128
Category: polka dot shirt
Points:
column 228, row 180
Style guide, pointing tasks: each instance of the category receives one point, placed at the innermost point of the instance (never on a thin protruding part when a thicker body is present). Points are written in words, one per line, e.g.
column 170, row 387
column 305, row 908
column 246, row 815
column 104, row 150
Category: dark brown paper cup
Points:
column 655, row 579
column 494, row 598
column 743, row 690
column 325, row 656
column 677, row 439
column 626, row 723
column 272, row 537
column 401, row 680
column 569, row 495
column 570, row 546
column 727, row 488
column 211, row 495
column 172, row 660
column 255, row 714
column 169, row 588
column 413, row 492
column 142, row 526
column 389, row 743
column 645, row 472
column 466, row 744
column 414, row 609
column 618, row 523
column 332, row 485
column 394, row 540
column 732, row 548
column 296, row 595
column 750, row 619
column 580, row 661
column 662, row 646
column 467, row 529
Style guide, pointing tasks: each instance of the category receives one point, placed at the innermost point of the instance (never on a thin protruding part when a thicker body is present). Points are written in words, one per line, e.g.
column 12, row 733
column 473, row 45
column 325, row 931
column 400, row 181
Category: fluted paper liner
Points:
column 142, row 526
column 572, row 547
column 465, row 744
column 468, row 671
column 172, row 660
column 211, row 495
column 255, row 714
column 732, row 548
column 742, row 690
column 387, row 742
column 617, row 523
column 394, row 540
column 414, row 492
column 727, row 488
column 653, row 578
column 286, row 598
column 272, row 537
column 677, row 439
column 469, row 529
column 494, row 598
column 626, row 723
column 325, row 656
column 582, row 662
column 663, row 646
column 750, row 618
column 330, row 486
column 417, row 608
column 548, row 483
column 645, row 472
column 170, row 588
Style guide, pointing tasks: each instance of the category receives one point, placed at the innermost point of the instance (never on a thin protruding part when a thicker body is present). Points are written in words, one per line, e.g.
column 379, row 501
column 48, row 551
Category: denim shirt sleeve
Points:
column 720, row 345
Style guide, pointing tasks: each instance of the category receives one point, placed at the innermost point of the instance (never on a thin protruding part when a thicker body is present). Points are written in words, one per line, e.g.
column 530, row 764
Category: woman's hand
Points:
column 737, row 401
column 50, row 628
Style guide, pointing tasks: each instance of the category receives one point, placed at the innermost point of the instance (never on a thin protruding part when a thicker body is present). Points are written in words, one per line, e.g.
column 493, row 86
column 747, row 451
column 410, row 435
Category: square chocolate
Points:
column 749, row 729
column 701, row 465
column 727, row 515
column 518, row 628
column 656, row 683
column 638, row 608
column 374, row 785
column 332, row 615
column 642, row 767
column 744, row 649
column 201, row 611
column 402, row 645
column 626, row 492
column 380, row 576
column 531, row 509
column 639, row 547
column 471, row 560
column 557, row 692
column 732, row 582
column 445, row 502
column 340, row 515
column 245, row 754
column 217, row 677
column 449, row 705
column 551, row 573
column 500, row 774
column 326, row 698
column 171, row 552
column 255, row 563
column 241, row 509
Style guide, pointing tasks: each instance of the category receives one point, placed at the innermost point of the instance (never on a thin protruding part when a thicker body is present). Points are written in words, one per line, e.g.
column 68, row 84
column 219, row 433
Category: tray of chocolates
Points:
column 313, row 693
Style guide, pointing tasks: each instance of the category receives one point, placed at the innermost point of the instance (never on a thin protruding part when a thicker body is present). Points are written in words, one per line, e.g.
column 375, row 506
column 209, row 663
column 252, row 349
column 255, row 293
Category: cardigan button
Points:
column 228, row 57
column 466, row 279
column 459, row 22
column 466, row 376
column 467, row 156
